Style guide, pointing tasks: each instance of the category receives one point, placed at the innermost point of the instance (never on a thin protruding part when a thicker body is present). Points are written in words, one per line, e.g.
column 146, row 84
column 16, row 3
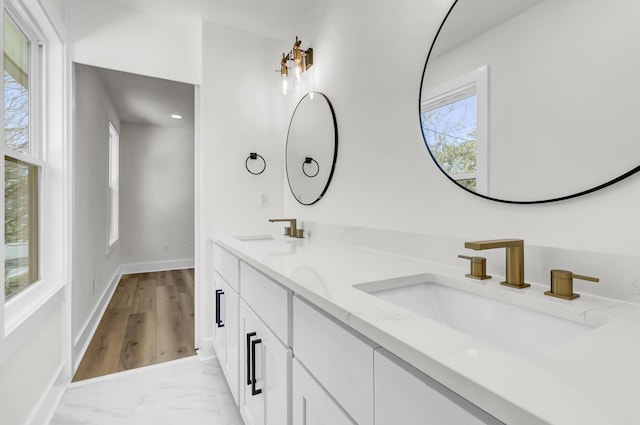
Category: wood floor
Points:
column 149, row 320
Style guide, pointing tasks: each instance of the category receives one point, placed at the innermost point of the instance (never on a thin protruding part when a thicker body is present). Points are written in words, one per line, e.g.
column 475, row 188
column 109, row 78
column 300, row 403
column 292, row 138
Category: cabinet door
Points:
column 232, row 324
column 266, row 373
column 311, row 404
column 337, row 358
column 404, row 395
column 226, row 329
column 220, row 289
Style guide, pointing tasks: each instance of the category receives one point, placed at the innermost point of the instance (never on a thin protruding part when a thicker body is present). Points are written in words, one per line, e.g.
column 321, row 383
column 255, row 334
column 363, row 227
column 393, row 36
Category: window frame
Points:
column 474, row 82
column 113, row 193
column 20, row 305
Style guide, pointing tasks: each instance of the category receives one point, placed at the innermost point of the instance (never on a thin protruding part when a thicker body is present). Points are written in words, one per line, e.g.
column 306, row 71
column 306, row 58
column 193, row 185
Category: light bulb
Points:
column 285, row 85
column 298, row 72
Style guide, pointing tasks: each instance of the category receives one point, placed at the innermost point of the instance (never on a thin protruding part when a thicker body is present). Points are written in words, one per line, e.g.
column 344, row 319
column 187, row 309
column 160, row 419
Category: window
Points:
column 114, row 166
column 22, row 163
column 453, row 118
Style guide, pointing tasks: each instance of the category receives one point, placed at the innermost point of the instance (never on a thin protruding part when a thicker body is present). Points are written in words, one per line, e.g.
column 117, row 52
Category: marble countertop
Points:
column 591, row 379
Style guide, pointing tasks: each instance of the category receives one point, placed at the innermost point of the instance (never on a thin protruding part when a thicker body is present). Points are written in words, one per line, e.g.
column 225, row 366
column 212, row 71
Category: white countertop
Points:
column 592, row 379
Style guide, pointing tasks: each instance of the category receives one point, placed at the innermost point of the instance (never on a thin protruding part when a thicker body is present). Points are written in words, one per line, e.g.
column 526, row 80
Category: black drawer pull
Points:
column 254, row 391
column 219, row 322
column 249, row 335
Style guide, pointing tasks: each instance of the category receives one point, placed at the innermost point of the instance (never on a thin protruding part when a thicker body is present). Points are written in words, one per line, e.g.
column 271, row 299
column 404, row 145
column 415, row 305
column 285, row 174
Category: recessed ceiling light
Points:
column 176, row 116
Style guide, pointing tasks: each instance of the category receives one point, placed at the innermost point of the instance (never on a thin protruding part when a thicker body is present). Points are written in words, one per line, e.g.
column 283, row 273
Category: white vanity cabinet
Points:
column 404, row 395
column 226, row 319
column 338, row 359
column 289, row 362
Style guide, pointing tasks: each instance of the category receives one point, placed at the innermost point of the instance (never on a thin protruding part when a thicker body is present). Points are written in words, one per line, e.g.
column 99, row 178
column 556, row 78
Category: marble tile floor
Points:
column 186, row 391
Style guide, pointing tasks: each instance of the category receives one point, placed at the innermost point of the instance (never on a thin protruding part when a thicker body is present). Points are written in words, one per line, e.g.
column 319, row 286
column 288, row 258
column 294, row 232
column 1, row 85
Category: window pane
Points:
column 20, row 225
column 16, row 87
column 450, row 131
column 114, row 167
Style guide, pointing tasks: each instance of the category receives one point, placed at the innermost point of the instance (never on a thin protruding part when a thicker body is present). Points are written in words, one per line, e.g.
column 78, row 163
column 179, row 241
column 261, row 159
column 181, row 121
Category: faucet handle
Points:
column 562, row 284
column 478, row 267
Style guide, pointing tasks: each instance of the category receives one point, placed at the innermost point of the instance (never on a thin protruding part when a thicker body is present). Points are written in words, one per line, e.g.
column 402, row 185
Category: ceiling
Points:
column 469, row 19
column 268, row 18
column 146, row 100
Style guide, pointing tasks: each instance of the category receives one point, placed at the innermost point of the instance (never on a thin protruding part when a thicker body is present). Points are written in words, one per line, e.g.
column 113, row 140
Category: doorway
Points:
column 141, row 275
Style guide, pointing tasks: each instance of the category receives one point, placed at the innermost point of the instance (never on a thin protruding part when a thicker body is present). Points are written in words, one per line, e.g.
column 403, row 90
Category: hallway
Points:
column 148, row 320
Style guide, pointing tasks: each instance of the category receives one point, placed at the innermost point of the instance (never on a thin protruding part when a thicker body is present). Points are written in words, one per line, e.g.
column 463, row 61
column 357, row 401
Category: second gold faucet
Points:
column 514, row 274
column 292, row 230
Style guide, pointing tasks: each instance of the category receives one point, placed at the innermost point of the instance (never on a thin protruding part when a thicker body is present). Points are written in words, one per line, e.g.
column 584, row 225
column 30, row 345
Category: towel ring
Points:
column 255, row 156
column 309, row 160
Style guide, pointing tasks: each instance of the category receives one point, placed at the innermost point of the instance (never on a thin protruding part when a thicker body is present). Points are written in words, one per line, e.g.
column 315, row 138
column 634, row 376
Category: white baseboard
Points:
column 206, row 351
column 48, row 403
column 157, row 266
column 81, row 343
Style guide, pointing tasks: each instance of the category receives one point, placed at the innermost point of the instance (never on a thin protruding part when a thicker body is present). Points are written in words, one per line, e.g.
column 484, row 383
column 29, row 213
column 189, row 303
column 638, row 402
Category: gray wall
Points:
column 93, row 112
column 156, row 193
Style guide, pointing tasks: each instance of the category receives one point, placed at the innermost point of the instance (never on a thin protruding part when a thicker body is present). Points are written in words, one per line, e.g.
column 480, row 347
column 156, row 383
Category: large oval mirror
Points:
column 531, row 101
column 312, row 148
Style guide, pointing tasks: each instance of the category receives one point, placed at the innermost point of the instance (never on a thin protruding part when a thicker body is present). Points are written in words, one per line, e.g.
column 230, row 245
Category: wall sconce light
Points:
column 298, row 60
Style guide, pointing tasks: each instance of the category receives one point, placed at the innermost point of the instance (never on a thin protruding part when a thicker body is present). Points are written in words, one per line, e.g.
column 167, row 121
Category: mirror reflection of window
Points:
column 454, row 126
column 449, row 129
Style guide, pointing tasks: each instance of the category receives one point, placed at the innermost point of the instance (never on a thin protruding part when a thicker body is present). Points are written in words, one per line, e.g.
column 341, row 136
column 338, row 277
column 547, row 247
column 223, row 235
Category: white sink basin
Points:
column 254, row 238
column 512, row 328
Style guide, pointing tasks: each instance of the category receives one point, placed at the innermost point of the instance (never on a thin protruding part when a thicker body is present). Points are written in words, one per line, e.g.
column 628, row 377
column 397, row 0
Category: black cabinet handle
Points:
column 219, row 292
column 254, row 391
column 249, row 335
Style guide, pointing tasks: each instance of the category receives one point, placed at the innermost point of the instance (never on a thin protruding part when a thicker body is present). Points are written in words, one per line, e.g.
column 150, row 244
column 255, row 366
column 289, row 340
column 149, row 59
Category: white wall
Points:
column 384, row 176
column 156, row 193
column 33, row 344
column 29, row 372
column 557, row 120
column 241, row 112
column 93, row 112
column 109, row 35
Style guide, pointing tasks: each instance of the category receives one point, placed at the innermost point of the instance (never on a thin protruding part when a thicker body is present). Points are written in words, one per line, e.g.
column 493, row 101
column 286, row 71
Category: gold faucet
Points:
column 515, row 259
column 292, row 230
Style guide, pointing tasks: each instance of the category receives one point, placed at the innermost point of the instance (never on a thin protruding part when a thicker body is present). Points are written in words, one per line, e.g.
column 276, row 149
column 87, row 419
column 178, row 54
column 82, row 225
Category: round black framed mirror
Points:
column 533, row 101
column 312, row 148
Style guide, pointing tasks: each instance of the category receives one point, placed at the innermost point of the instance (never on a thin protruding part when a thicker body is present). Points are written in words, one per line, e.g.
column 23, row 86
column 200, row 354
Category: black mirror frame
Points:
column 544, row 201
column 335, row 151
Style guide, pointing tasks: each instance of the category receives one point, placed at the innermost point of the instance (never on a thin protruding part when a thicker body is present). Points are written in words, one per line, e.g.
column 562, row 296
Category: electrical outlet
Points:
column 635, row 288
column 263, row 200
column 165, row 247
column 93, row 284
